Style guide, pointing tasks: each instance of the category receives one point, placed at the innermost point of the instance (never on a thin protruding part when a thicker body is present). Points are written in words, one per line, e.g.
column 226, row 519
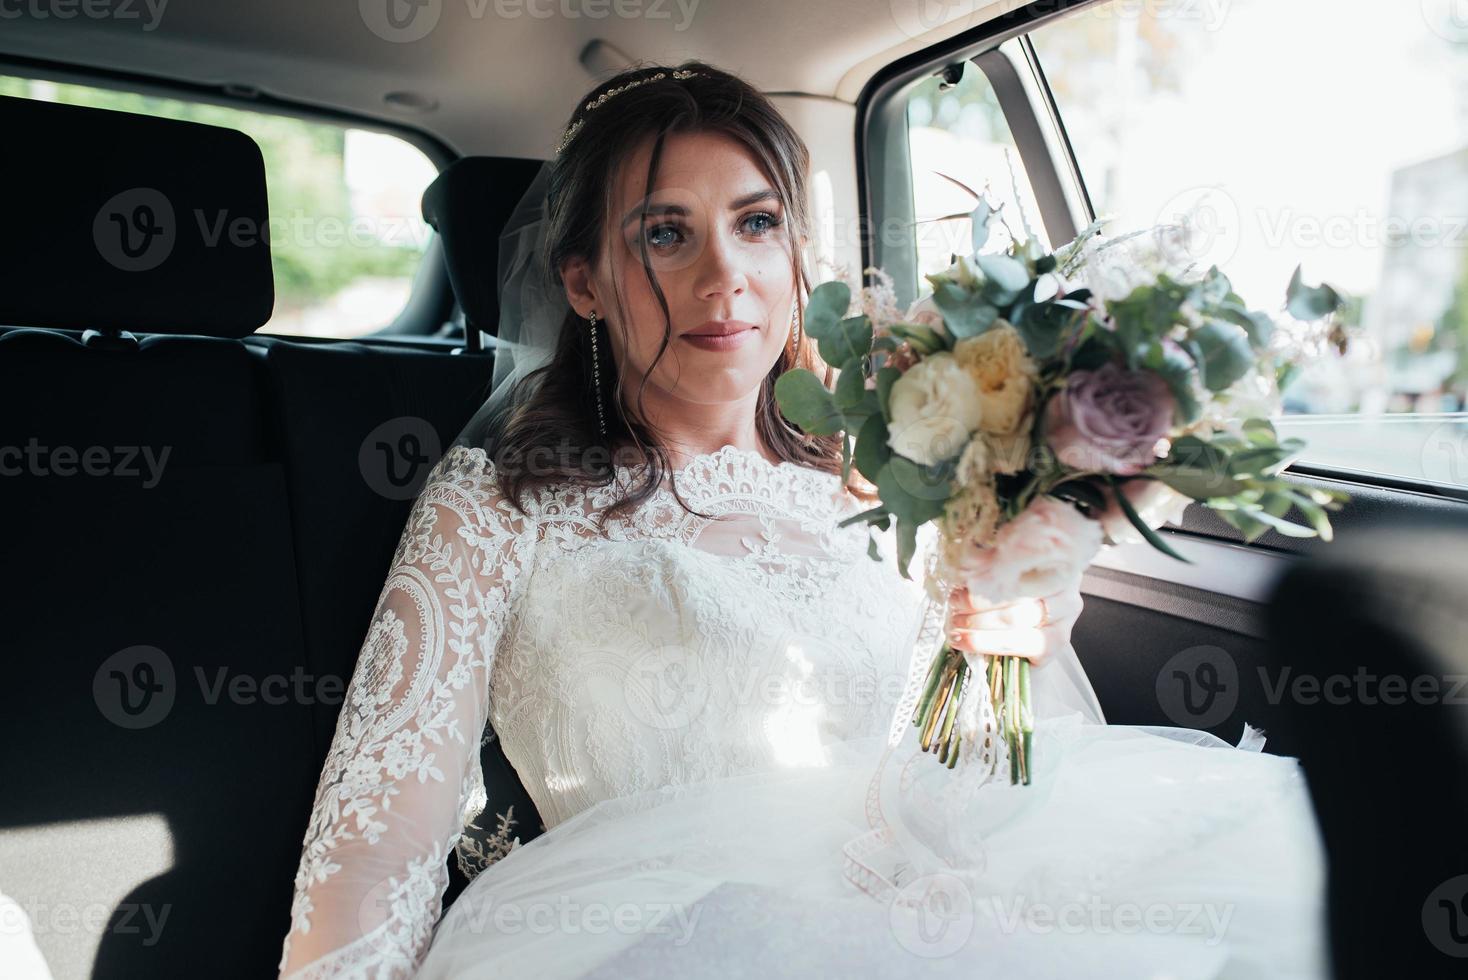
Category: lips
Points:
column 720, row 328
column 720, row 335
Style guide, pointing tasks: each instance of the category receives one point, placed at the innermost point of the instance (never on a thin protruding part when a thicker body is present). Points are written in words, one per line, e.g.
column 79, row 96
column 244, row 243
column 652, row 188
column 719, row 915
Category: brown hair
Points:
column 560, row 413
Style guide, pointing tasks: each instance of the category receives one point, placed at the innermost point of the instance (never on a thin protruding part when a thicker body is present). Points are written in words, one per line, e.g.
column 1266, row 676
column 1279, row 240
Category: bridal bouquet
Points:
column 1037, row 405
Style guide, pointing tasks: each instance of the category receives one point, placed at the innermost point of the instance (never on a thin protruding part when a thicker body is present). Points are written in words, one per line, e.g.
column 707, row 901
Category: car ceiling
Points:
column 504, row 74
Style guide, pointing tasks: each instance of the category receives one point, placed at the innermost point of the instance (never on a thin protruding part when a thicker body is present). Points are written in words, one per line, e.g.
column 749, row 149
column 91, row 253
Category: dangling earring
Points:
column 596, row 377
column 794, row 325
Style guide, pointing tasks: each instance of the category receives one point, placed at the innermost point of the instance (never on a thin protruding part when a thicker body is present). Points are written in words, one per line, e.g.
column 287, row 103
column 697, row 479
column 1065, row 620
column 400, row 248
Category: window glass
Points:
column 959, row 131
column 346, row 231
column 1316, row 132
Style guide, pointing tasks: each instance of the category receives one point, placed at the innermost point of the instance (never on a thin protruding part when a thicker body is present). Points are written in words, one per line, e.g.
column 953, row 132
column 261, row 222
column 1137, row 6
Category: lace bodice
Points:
column 672, row 648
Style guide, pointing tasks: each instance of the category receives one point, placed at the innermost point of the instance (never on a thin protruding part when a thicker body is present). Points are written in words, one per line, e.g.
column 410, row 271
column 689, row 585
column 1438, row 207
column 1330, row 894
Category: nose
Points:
column 720, row 268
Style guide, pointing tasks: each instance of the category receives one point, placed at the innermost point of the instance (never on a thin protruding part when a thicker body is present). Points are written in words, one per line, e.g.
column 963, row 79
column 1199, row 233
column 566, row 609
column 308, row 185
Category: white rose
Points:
column 934, row 408
column 1155, row 502
column 925, row 313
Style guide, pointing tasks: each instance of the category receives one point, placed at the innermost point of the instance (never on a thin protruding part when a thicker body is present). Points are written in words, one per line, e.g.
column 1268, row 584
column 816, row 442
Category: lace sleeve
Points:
column 396, row 785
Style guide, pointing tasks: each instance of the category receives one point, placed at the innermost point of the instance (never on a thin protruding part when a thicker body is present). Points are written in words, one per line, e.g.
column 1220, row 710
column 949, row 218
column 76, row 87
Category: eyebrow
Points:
column 744, row 201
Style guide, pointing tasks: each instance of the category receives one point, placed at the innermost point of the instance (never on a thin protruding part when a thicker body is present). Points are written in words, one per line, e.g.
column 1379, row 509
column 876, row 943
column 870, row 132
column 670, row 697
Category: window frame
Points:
column 431, row 303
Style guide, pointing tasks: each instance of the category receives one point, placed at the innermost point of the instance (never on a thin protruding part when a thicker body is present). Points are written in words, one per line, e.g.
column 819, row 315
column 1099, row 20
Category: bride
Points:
column 631, row 568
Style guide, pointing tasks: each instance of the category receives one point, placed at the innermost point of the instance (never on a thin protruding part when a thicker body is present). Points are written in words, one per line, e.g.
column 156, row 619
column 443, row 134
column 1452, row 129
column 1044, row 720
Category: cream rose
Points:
column 934, row 408
column 1002, row 368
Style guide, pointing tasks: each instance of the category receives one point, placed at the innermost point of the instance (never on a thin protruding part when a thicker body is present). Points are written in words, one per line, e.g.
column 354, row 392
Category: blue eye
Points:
column 663, row 236
column 769, row 222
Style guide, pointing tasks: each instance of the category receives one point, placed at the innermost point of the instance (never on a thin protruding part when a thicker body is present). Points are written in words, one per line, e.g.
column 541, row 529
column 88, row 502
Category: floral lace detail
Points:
column 404, row 760
column 674, row 648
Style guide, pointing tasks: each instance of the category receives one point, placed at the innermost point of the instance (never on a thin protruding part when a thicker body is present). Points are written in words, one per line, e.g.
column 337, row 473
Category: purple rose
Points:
column 1109, row 419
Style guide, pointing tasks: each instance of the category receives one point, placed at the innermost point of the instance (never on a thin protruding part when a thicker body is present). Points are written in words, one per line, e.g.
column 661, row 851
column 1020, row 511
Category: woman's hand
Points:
column 1029, row 628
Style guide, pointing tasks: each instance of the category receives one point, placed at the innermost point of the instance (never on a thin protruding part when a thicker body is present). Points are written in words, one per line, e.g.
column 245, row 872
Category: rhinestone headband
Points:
column 600, row 100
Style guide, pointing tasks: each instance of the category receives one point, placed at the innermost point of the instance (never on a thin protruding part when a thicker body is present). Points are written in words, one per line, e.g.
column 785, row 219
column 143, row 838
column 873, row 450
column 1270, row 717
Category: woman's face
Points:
column 717, row 242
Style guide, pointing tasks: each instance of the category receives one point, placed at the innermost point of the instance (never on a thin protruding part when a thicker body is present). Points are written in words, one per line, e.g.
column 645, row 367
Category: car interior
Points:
column 217, row 447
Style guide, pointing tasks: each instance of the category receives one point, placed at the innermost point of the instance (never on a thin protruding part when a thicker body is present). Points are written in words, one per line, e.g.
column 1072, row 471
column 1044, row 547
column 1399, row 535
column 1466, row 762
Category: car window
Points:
column 958, row 131
column 1311, row 132
column 346, row 231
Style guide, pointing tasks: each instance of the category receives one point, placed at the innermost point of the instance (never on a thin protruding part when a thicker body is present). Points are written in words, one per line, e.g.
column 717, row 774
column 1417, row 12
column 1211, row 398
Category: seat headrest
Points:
column 468, row 206
column 119, row 221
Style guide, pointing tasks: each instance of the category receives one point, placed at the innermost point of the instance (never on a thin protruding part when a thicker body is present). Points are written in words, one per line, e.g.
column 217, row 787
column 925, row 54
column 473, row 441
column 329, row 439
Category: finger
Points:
column 1032, row 644
column 962, row 600
column 1023, row 614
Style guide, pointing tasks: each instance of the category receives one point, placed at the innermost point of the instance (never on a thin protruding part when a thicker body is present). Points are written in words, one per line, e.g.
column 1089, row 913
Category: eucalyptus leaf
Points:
column 808, row 403
column 906, row 545
column 850, row 386
column 1260, row 432
column 1227, row 356
column 852, row 337
column 981, row 218
column 886, row 376
column 1006, row 278
column 1258, row 326
column 1246, row 524
column 872, row 451
column 1310, row 302
column 910, row 492
column 826, row 308
column 966, row 314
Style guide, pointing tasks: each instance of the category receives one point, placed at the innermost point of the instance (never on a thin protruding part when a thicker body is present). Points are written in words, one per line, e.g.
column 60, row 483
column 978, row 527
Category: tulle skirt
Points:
column 1134, row 852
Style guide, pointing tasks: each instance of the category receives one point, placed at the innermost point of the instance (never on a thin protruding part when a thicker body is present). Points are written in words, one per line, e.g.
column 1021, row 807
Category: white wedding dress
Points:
column 711, row 714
